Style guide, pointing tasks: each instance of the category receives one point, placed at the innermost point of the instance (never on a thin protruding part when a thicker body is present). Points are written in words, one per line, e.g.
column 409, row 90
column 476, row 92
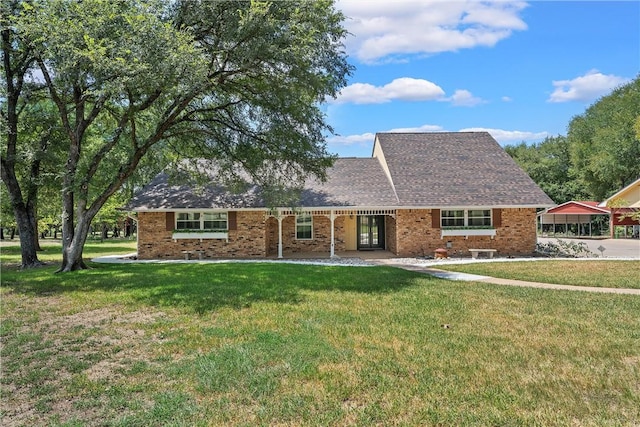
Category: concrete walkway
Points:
column 452, row 275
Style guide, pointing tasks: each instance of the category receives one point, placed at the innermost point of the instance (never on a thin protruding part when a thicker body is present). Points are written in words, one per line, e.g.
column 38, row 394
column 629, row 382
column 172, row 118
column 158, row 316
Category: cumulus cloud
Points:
column 389, row 30
column 506, row 136
column 464, row 98
column 402, row 89
column 362, row 139
column 585, row 88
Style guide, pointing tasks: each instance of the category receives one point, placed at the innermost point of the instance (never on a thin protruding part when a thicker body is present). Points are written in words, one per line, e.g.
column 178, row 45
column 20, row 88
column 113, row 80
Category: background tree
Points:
column 604, row 145
column 548, row 163
column 235, row 81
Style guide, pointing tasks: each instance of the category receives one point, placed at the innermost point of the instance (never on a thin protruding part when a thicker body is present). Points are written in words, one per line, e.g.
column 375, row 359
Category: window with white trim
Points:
column 213, row 221
column 479, row 218
column 216, row 221
column 452, row 218
column 304, row 227
column 188, row 221
column 466, row 218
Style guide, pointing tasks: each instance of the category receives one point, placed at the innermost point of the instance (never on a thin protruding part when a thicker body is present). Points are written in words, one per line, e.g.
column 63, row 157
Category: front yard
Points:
column 281, row 344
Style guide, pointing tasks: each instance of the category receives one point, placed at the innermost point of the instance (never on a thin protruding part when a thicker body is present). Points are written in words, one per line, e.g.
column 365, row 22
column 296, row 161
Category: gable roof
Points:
column 630, row 193
column 573, row 207
column 427, row 170
column 456, row 169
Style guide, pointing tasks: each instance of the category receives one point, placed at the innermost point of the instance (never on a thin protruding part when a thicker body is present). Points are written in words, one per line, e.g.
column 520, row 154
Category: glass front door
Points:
column 370, row 232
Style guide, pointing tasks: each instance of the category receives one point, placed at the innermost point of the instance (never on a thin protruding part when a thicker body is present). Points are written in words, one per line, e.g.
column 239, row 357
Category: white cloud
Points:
column 506, row 99
column 362, row 139
column 585, row 88
column 502, row 136
column 505, row 136
column 402, row 89
column 464, row 98
column 387, row 30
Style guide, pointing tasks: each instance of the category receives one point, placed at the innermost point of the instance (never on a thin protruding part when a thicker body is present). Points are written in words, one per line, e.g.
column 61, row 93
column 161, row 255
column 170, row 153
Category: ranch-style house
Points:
column 417, row 192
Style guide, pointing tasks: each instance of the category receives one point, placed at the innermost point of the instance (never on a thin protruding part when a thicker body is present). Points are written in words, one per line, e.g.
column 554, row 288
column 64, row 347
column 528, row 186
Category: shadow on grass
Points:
column 205, row 288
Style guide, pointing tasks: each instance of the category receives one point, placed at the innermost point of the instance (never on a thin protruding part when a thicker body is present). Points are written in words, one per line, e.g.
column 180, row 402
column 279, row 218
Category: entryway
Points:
column 370, row 232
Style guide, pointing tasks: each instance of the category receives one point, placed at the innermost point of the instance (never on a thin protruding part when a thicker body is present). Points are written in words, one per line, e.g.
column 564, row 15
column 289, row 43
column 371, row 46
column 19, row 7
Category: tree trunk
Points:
column 27, row 238
column 72, row 249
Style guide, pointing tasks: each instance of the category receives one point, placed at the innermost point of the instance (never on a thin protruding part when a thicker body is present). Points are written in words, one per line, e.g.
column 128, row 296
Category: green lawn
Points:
column 609, row 274
column 283, row 344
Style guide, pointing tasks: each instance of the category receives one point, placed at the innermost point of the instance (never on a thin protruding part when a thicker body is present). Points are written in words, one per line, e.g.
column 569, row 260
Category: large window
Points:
column 213, row 221
column 304, row 227
column 466, row 218
column 479, row 218
column 188, row 221
column 452, row 218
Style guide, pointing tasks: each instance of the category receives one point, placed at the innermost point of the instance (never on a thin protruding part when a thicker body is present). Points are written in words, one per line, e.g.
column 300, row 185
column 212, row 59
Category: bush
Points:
column 562, row 249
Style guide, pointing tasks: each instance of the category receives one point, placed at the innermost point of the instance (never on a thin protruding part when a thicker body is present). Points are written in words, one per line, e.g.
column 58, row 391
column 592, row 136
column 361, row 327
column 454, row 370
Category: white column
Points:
column 332, row 217
column 280, row 218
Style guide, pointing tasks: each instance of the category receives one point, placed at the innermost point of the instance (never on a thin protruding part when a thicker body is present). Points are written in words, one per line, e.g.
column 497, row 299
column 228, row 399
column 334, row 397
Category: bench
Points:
column 186, row 254
column 475, row 252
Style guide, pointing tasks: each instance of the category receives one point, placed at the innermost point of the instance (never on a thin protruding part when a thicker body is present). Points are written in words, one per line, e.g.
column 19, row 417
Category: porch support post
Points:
column 280, row 218
column 332, row 218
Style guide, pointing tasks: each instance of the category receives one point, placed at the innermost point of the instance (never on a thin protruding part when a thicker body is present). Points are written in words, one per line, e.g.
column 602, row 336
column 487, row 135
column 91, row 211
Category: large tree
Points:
column 548, row 163
column 26, row 128
column 604, row 145
column 235, row 81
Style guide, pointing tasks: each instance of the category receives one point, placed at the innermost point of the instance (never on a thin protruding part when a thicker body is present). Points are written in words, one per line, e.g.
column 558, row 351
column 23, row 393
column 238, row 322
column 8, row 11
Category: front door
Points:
column 370, row 232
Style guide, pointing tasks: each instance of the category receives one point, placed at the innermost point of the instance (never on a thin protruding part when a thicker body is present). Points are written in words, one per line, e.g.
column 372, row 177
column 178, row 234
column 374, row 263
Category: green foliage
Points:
column 548, row 163
column 236, row 82
column 604, row 145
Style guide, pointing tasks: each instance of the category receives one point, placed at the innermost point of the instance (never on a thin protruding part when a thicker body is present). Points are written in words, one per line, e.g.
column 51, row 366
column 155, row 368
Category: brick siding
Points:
column 409, row 234
column 249, row 240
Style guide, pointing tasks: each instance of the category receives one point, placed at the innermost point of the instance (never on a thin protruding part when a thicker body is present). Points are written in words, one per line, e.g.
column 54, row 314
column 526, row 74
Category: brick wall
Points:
column 249, row 240
column 321, row 241
column 409, row 234
column 516, row 234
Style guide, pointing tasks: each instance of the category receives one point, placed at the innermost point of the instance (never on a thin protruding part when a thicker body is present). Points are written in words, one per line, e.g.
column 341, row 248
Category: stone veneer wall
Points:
column 249, row 240
column 415, row 236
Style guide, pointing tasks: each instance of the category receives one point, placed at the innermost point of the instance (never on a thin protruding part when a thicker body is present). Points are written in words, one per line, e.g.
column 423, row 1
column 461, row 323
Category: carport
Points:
column 573, row 218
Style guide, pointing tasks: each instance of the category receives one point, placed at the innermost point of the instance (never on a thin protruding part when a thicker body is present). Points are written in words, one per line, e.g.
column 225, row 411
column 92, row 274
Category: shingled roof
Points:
column 429, row 170
column 456, row 169
column 351, row 182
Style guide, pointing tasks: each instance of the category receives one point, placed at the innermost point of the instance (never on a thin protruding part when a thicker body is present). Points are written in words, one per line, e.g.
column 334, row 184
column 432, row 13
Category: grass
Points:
column 281, row 344
column 610, row 274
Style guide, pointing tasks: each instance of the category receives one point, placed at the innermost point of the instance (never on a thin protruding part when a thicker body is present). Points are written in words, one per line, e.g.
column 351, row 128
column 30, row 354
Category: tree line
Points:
column 599, row 155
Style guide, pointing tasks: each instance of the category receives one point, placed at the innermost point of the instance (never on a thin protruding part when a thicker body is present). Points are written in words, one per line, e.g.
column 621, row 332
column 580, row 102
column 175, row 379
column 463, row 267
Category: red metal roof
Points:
column 579, row 208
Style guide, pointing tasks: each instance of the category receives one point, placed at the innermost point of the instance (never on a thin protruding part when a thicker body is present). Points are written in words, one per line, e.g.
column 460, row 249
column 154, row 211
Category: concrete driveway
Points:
column 614, row 248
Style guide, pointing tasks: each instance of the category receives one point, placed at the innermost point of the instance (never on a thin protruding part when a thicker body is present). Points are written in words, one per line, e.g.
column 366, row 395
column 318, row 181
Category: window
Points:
column 215, row 221
column 479, row 218
column 466, row 218
column 304, row 226
column 188, row 221
column 452, row 218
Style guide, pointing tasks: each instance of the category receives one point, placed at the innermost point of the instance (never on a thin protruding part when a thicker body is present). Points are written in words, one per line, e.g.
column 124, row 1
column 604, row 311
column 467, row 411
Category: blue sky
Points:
column 520, row 70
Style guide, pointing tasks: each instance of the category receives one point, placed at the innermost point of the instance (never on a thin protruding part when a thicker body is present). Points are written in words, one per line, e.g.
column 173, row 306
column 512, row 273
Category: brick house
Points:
column 416, row 193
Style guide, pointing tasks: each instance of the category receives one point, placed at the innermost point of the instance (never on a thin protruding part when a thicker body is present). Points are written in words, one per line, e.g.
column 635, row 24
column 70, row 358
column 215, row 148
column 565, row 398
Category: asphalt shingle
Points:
column 456, row 169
